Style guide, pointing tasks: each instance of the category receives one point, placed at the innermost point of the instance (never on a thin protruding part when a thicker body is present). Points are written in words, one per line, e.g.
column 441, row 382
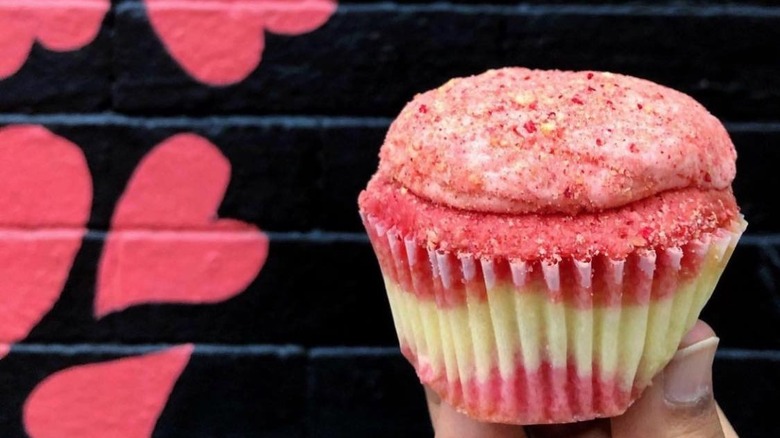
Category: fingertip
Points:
column 687, row 379
column 599, row 428
column 434, row 403
column 431, row 396
column 725, row 424
column 680, row 402
column 699, row 332
column 453, row 424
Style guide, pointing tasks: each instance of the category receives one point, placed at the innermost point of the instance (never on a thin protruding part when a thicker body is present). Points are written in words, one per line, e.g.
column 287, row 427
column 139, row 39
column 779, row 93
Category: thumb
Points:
column 680, row 403
column 449, row 423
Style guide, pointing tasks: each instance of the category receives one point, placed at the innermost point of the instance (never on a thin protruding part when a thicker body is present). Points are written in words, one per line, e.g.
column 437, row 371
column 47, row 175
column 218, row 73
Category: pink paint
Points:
column 220, row 42
column 45, row 198
column 547, row 394
column 122, row 398
column 166, row 243
column 57, row 25
column 34, row 266
column 177, row 186
column 45, row 180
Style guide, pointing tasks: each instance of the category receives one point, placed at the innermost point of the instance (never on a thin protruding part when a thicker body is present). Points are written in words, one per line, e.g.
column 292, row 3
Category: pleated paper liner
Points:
column 523, row 342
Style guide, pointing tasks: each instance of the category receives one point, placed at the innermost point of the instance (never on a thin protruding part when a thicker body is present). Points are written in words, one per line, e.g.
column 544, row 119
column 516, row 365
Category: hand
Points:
column 679, row 404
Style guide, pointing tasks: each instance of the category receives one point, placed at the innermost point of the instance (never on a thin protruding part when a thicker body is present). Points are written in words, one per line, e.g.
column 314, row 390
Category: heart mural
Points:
column 45, row 199
column 166, row 243
column 59, row 26
column 220, row 42
column 129, row 394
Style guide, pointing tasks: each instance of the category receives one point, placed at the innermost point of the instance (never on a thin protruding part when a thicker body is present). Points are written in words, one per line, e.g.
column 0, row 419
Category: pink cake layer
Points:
column 544, row 395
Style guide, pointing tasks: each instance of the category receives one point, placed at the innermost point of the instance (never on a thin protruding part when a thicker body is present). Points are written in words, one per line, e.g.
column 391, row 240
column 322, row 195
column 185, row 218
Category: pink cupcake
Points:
column 546, row 237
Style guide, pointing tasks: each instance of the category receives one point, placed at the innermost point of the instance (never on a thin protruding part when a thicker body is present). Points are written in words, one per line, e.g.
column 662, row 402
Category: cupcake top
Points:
column 530, row 141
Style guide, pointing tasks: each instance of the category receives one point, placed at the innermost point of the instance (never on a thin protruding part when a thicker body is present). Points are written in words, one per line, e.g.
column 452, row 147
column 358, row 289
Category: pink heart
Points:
column 45, row 198
column 122, row 398
column 220, row 42
column 59, row 26
column 166, row 243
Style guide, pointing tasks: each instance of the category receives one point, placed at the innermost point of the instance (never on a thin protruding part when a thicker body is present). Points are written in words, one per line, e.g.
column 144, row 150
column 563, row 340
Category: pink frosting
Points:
column 529, row 141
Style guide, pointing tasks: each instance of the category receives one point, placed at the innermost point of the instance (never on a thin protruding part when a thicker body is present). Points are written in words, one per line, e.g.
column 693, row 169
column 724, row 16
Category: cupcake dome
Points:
column 528, row 141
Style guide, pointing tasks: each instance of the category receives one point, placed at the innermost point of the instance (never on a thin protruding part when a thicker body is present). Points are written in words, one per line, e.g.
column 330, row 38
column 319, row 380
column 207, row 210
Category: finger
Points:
column 728, row 429
column 588, row 429
column 434, row 403
column 449, row 423
column 452, row 424
column 679, row 404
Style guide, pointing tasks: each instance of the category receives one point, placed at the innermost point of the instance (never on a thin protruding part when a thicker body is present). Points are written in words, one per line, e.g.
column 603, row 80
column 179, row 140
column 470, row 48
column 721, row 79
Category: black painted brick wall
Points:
column 309, row 348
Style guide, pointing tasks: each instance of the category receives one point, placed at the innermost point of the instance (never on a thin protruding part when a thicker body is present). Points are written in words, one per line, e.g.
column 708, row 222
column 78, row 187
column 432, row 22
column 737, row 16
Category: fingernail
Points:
column 432, row 396
column 688, row 377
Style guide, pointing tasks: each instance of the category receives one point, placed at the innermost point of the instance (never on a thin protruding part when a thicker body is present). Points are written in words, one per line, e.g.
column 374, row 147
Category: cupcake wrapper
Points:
column 535, row 342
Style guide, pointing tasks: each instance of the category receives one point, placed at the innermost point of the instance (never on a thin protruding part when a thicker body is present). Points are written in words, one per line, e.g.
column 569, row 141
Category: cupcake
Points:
column 547, row 237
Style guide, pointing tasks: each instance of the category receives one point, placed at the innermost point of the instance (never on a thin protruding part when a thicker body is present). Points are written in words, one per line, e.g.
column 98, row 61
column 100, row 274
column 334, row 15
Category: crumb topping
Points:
column 671, row 218
column 528, row 141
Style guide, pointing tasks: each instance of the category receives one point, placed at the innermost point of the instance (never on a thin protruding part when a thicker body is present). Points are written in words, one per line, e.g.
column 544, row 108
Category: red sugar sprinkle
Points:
column 423, row 109
column 577, row 100
column 639, row 105
column 632, row 147
column 646, row 232
column 590, row 75
column 530, row 127
column 599, row 142
column 707, row 177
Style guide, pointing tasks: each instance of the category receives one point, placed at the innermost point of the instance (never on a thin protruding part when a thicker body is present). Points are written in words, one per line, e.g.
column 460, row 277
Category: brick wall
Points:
column 181, row 253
